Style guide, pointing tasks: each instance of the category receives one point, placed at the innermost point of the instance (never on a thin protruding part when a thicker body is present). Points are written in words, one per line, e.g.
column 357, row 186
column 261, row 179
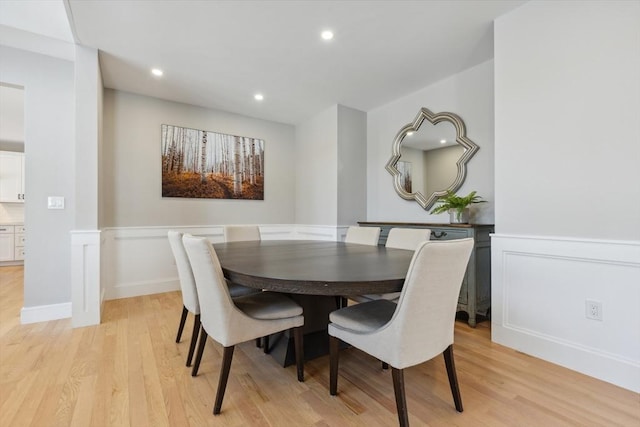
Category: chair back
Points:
column 407, row 238
column 213, row 294
column 363, row 235
column 241, row 233
column 422, row 325
column 185, row 275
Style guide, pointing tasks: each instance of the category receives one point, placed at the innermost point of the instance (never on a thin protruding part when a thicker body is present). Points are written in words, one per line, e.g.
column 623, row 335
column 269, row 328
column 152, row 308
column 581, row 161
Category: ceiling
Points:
column 218, row 54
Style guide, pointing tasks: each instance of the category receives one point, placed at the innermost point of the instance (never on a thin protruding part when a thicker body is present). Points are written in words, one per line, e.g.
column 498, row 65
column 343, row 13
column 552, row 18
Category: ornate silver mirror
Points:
column 429, row 157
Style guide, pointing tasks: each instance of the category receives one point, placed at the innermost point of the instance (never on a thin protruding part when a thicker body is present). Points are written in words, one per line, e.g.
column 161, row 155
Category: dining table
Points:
column 317, row 275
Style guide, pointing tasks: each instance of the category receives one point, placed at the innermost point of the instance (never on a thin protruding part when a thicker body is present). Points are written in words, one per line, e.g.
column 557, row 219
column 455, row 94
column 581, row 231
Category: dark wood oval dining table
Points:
column 315, row 274
column 314, row 267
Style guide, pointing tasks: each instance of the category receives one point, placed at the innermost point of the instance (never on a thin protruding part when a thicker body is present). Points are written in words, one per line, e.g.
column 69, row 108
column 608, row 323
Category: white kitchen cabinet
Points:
column 11, row 177
column 12, row 237
column 7, row 243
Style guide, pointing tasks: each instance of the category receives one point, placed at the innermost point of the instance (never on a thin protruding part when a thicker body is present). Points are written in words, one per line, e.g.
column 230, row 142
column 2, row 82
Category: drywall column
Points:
column 351, row 166
column 49, row 165
column 85, row 239
column 331, row 170
column 316, row 169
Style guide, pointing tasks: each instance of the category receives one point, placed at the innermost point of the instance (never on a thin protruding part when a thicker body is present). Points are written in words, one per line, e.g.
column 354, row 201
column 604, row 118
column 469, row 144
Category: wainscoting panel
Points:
column 540, row 290
column 86, row 295
column 138, row 260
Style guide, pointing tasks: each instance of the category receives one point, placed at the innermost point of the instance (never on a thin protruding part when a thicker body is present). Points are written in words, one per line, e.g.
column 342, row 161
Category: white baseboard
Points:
column 540, row 286
column 44, row 313
column 128, row 290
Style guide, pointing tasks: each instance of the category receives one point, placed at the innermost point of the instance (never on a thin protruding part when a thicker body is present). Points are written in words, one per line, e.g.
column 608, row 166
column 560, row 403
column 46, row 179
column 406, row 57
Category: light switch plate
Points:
column 55, row 202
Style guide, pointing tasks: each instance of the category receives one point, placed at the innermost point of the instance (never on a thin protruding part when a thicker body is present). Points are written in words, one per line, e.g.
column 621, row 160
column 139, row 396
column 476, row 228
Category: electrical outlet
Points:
column 593, row 310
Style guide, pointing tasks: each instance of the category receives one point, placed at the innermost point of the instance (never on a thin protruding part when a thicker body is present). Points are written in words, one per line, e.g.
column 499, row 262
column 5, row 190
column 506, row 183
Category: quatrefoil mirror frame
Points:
column 470, row 148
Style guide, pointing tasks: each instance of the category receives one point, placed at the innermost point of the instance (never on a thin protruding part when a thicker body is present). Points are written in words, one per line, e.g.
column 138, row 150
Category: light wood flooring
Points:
column 128, row 371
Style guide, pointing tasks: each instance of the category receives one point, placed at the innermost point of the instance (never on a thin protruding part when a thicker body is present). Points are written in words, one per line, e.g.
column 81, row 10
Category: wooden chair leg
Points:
column 453, row 378
column 258, row 343
column 299, row 347
column 203, row 341
column 265, row 343
column 183, row 318
column 385, row 365
column 401, row 401
column 227, row 356
column 194, row 339
column 334, row 343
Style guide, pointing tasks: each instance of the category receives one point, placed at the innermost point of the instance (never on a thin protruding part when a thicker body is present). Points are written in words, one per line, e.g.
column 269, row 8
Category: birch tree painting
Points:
column 203, row 164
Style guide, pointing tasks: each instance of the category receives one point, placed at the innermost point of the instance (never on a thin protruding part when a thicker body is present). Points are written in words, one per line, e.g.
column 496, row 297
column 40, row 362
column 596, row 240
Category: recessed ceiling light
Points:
column 156, row 72
column 442, row 141
column 258, row 97
column 327, row 35
column 409, row 133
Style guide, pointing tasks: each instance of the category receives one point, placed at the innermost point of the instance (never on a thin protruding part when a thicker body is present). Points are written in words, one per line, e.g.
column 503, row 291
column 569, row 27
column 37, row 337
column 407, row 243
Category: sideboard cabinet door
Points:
column 475, row 293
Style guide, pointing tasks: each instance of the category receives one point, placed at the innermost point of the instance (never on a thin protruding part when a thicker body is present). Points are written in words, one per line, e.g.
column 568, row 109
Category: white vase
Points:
column 463, row 218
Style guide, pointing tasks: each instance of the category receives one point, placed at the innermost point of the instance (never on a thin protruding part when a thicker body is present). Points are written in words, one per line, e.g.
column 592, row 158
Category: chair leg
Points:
column 453, row 378
column 227, row 356
column 183, row 318
column 333, row 365
column 265, row 343
column 299, row 346
column 401, row 401
column 203, row 341
column 258, row 343
column 194, row 339
column 385, row 365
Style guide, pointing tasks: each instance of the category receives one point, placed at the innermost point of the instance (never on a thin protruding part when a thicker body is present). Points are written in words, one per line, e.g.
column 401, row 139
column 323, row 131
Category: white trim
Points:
column 85, row 277
column 539, row 289
column 128, row 290
column 45, row 313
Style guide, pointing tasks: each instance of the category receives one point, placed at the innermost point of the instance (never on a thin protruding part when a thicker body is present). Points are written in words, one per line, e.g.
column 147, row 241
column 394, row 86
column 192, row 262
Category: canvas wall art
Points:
column 211, row 165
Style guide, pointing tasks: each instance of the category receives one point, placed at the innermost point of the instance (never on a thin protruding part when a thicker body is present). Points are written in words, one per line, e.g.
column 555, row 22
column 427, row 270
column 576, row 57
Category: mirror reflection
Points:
column 429, row 157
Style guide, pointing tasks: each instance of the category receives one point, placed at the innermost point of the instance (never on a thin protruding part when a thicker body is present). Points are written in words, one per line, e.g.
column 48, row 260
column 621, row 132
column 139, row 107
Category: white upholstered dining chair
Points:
column 230, row 322
column 188, row 288
column 189, row 292
column 416, row 329
column 399, row 238
column 246, row 233
column 363, row 235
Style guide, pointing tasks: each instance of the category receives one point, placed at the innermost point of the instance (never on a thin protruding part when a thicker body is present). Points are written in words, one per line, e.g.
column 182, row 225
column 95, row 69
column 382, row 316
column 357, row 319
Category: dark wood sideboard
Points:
column 475, row 294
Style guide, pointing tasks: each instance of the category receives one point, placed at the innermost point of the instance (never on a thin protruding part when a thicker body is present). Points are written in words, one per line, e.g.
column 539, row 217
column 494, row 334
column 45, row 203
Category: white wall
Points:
column 567, row 195
column 50, row 163
column 132, row 174
column 316, row 169
column 567, row 111
column 468, row 94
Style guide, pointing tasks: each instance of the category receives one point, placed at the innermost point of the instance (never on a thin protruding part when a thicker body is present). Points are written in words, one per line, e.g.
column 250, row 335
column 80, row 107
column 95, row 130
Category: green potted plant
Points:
column 457, row 206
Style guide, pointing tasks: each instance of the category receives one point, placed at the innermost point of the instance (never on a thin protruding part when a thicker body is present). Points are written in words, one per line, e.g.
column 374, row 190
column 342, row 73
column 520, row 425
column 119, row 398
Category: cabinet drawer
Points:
column 19, row 239
column 19, row 253
column 20, row 229
column 7, row 229
column 447, row 234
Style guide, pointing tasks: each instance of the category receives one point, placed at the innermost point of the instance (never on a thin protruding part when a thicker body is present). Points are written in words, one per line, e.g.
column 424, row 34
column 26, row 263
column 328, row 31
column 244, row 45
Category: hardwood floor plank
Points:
column 128, row 371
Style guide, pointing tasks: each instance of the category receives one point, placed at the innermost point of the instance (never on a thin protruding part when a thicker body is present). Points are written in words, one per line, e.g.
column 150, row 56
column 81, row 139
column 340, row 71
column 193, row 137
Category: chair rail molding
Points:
column 540, row 290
